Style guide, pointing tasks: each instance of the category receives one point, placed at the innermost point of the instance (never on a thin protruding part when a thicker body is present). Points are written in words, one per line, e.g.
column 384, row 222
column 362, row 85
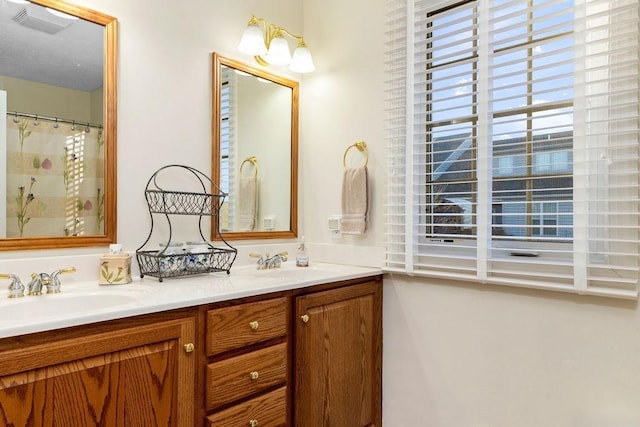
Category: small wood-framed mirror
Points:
column 255, row 151
column 58, row 93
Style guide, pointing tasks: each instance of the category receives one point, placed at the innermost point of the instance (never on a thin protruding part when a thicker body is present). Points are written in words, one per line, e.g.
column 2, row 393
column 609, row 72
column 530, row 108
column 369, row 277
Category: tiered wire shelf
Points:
column 166, row 262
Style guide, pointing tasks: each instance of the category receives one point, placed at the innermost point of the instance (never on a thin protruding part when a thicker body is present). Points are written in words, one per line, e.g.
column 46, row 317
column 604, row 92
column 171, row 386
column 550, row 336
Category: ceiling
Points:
column 71, row 58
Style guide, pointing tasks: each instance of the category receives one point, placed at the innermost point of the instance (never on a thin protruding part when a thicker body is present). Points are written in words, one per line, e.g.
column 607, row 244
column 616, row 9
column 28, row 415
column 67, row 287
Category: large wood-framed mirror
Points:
column 255, row 151
column 58, row 131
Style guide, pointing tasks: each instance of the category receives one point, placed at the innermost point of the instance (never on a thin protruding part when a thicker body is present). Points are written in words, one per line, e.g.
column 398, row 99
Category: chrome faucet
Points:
column 267, row 262
column 260, row 262
column 37, row 282
column 51, row 281
column 54, row 286
column 16, row 288
column 276, row 260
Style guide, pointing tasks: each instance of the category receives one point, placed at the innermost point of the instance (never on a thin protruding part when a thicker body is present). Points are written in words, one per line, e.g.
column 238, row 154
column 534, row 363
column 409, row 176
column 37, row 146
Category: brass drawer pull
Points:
column 304, row 318
column 189, row 347
column 254, row 375
column 254, row 325
column 253, row 423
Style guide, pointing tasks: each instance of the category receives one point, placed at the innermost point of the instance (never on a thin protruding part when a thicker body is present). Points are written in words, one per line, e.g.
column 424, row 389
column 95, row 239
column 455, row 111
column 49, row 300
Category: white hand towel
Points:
column 247, row 203
column 354, row 201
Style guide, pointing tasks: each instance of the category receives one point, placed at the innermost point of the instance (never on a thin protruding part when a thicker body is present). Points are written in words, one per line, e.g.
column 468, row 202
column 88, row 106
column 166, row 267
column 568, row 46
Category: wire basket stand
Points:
column 160, row 201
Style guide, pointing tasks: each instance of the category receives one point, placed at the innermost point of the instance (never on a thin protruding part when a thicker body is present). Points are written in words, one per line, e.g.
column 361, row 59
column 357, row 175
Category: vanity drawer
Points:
column 269, row 410
column 234, row 327
column 231, row 379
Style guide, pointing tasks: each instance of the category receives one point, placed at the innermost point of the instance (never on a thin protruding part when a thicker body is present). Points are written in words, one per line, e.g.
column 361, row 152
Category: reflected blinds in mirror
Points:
column 227, row 150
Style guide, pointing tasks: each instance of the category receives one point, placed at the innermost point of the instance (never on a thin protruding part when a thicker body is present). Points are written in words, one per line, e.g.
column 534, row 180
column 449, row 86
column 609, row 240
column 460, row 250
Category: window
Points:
column 513, row 142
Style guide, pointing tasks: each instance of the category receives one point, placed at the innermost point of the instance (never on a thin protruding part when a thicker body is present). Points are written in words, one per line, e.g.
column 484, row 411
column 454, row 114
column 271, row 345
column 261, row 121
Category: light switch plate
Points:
column 269, row 222
column 334, row 222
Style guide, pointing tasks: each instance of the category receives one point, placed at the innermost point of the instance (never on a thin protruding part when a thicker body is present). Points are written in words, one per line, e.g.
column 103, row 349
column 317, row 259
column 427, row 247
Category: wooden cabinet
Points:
column 337, row 357
column 247, row 369
column 305, row 357
column 125, row 373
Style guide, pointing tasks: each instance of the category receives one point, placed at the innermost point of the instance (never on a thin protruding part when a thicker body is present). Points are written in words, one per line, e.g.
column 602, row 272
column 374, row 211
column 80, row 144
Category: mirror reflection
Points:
column 255, row 151
column 57, row 100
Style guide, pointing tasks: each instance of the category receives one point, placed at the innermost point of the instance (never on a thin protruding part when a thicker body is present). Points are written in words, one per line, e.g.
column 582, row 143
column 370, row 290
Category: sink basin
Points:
column 72, row 302
column 288, row 271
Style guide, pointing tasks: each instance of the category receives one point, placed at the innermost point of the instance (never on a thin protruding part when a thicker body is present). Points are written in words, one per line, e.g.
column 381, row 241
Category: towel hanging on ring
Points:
column 248, row 196
column 355, row 189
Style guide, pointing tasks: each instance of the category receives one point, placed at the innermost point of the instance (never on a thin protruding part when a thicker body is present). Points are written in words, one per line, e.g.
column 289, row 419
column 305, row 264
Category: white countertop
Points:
column 83, row 303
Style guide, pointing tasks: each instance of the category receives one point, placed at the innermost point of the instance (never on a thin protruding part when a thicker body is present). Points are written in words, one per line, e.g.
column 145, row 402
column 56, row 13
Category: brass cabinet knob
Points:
column 254, row 375
column 189, row 347
column 304, row 318
column 253, row 423
column 254, row 325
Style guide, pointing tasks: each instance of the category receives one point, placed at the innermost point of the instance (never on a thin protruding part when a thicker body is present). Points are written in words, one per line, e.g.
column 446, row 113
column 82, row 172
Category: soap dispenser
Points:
column 302, row 258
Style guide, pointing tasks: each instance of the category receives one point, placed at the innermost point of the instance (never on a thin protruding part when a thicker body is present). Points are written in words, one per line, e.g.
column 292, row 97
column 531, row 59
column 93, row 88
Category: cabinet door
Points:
column 338, row 357
column 135, row 376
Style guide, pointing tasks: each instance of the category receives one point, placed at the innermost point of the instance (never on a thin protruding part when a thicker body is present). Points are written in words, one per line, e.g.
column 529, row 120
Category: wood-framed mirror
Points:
column 58, row 93
column 255, row 151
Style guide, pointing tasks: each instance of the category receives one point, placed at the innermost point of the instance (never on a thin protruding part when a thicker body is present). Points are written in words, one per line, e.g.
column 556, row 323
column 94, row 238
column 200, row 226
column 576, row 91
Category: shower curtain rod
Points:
column 52, row 119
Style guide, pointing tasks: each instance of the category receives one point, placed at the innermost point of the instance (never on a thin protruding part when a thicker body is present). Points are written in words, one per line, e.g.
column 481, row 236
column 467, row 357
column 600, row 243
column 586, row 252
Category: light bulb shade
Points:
column 252, row 42
column 302, row 61
column 278, row 53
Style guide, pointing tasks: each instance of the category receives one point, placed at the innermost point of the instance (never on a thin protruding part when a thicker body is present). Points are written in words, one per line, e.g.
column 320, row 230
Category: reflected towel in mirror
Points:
column 354, row 200
column 247, row 203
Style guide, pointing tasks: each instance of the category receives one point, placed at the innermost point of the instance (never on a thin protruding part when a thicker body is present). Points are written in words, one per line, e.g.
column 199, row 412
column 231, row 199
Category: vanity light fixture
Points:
column 268, row 45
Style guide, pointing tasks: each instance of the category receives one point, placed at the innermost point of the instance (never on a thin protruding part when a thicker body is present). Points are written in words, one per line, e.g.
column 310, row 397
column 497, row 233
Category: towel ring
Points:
column 361, row 146
column 254, row 161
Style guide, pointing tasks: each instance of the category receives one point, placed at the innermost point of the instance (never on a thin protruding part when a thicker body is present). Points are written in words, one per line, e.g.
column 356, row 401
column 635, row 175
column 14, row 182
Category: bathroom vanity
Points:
column 290, row 346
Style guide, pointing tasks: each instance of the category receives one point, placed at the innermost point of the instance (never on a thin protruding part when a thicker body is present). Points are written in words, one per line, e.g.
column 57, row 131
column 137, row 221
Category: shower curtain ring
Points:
column 55, row 125
column 15, row 117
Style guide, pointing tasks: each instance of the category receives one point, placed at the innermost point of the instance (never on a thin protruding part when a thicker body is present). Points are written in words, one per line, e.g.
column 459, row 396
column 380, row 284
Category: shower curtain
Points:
column 54, row 178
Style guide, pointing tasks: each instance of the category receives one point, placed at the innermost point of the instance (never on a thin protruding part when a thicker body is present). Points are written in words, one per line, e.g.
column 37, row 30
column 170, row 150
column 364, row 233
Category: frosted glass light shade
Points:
column 302, row 62
column 278, row 53
column 252, row 42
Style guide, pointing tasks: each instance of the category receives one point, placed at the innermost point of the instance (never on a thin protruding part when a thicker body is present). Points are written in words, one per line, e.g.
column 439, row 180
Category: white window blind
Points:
column 513, row 142
column 228, row 158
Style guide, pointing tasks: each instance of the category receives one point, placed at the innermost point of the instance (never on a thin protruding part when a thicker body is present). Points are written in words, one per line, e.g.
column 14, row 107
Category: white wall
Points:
column 341, row 103
column 164, row 90
column 454, row 355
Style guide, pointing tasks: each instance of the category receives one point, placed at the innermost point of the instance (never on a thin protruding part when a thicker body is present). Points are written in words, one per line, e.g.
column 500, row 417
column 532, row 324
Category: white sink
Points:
column 288, row 271
column 80, row 300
